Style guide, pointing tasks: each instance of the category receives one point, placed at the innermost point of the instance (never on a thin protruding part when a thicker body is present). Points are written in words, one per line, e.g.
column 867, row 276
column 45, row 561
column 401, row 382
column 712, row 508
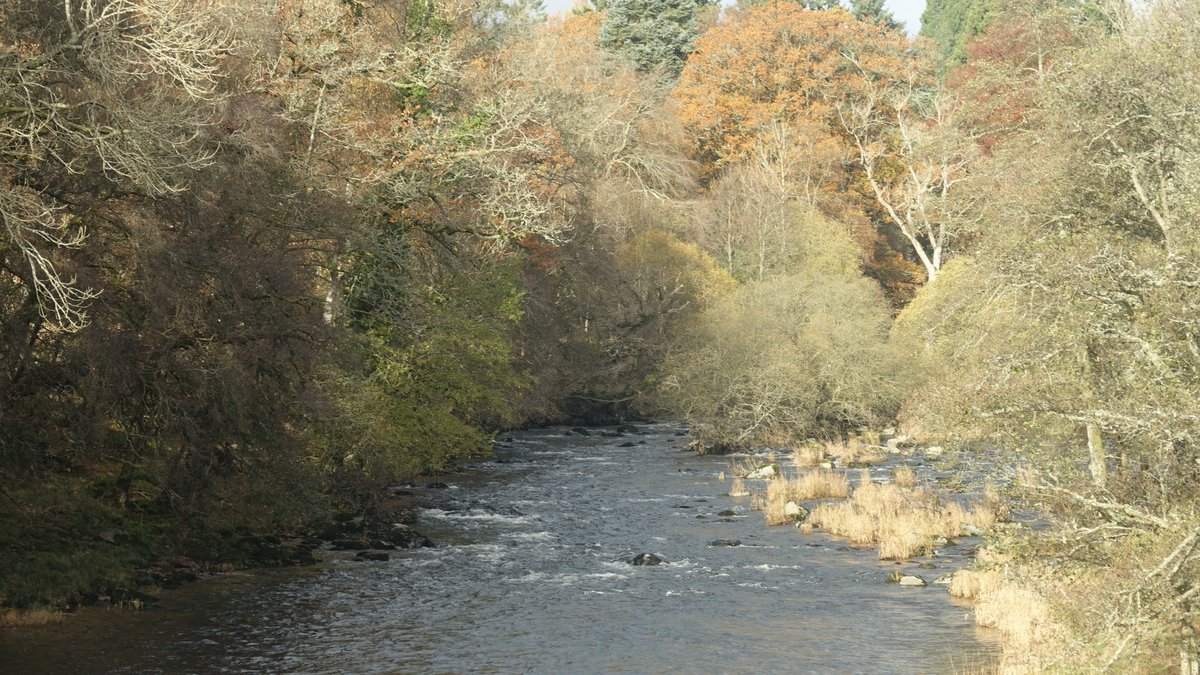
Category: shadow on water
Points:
column 533, row 575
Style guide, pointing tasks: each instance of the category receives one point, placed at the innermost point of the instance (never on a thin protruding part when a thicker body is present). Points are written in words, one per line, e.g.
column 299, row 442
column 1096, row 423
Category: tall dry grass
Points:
column 904, row 476
column 10, row 618
column 901, row 522
column 808, row 455
column 853, row 451
column 738, row 488
column 820, row 484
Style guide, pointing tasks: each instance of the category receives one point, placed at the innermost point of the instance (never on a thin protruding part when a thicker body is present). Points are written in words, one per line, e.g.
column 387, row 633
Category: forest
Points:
column 262, row 260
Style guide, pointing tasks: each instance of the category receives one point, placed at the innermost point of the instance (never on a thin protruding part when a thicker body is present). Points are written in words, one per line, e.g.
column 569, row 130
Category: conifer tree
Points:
column 655, row 35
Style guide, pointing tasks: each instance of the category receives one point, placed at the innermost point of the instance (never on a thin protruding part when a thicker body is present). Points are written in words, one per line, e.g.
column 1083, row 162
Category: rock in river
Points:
column 648, row 559
column 725, row 542
column 764, row 472
column 403, row 536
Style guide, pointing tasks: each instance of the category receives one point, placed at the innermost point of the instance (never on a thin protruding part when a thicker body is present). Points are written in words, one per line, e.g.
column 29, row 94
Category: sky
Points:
column 908, row 11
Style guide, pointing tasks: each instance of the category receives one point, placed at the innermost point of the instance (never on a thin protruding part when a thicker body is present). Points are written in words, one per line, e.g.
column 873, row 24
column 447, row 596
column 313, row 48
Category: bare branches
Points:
column 902, row 122
column 131, row 93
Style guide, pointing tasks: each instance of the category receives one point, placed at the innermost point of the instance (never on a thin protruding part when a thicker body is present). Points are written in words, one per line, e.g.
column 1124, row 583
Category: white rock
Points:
column 767, row 471
column 944, row 580
column 934, row 451
column 972, row 530
column 911, row 580
column 794, row 510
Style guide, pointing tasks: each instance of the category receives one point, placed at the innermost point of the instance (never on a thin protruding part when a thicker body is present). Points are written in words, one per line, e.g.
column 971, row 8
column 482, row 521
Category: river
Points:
column 532, row 575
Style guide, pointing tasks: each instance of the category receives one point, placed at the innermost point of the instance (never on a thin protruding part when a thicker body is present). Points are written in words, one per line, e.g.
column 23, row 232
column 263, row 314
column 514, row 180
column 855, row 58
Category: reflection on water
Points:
column 532, row 575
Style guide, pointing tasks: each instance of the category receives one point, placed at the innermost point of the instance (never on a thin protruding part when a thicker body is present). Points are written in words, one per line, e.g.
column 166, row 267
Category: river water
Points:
column 532, row 575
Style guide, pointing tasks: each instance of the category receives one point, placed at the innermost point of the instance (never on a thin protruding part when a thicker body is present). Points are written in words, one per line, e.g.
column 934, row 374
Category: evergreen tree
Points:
column 874, row 11
column 950, row 23
column 655, row 35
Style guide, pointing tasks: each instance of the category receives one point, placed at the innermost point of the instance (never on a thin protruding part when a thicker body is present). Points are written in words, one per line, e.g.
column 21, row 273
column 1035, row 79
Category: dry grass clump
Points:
column 853, row 451
column 808, row 456
column 900, row 522
column 972, row 584
column 1020, row 614
column 41, row 616
column 821, row 484
column 904, row 476
column 738, row 488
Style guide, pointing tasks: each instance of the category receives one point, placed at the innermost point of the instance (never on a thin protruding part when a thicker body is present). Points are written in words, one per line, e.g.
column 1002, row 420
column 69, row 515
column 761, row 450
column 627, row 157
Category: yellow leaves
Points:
column 660, row 260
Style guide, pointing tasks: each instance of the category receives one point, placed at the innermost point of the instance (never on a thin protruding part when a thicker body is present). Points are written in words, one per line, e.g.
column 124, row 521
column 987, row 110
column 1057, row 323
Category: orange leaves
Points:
column 777, row 62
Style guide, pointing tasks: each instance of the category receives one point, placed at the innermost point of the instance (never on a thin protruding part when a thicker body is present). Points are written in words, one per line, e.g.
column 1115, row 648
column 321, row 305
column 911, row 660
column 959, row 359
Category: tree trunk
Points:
column 1096, row 464
column 333, row 297
column 1189, row 650
column 1095, row 439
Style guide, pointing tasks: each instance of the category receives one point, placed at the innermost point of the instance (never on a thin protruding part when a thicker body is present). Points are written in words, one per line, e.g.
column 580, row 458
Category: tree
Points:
column 776, row 63
column 656, row 36
column 874, row 10
column 914, row 159
column 779, row 361
column 71, row 102
column 951, row 24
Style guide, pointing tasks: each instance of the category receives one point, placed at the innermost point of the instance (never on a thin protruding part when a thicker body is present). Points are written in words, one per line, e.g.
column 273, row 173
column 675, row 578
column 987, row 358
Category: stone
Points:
column 763, row 472
column 972, row 530
column 728, row 512
column 116, row 537
column 611, row 434
column 350, row 545
column 944, row 580
column 647, row 560
column 795, row 511
column 911, row 580
column 581, row 431
column 627, row 444
column 628, row 429
column 927, row 566
column 374, row 556
column 934, row 451
column 402, row 536
column 437, row 486
column 725, row 542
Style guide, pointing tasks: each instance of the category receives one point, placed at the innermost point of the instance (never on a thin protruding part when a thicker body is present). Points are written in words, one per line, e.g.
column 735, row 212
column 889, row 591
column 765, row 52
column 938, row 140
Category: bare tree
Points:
column 914, row 160
column 120, row 88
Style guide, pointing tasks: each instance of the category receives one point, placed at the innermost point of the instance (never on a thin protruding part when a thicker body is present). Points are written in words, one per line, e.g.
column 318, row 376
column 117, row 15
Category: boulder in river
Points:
column 581, row 431
column 764, row 472
column 725, row 542
column 728, row 512
column 402, row 536
column 647, row 559
column 375, row 556
column 628, row 429
column 794, row 511
column 350, row 545
column 627, row 444
column 903, row 579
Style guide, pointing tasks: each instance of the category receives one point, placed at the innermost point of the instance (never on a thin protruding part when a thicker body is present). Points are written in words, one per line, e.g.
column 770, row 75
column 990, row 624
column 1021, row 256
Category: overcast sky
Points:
column 908, row 11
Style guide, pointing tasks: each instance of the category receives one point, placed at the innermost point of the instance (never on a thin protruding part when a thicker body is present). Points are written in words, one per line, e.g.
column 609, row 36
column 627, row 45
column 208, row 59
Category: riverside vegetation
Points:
column 260, row 261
